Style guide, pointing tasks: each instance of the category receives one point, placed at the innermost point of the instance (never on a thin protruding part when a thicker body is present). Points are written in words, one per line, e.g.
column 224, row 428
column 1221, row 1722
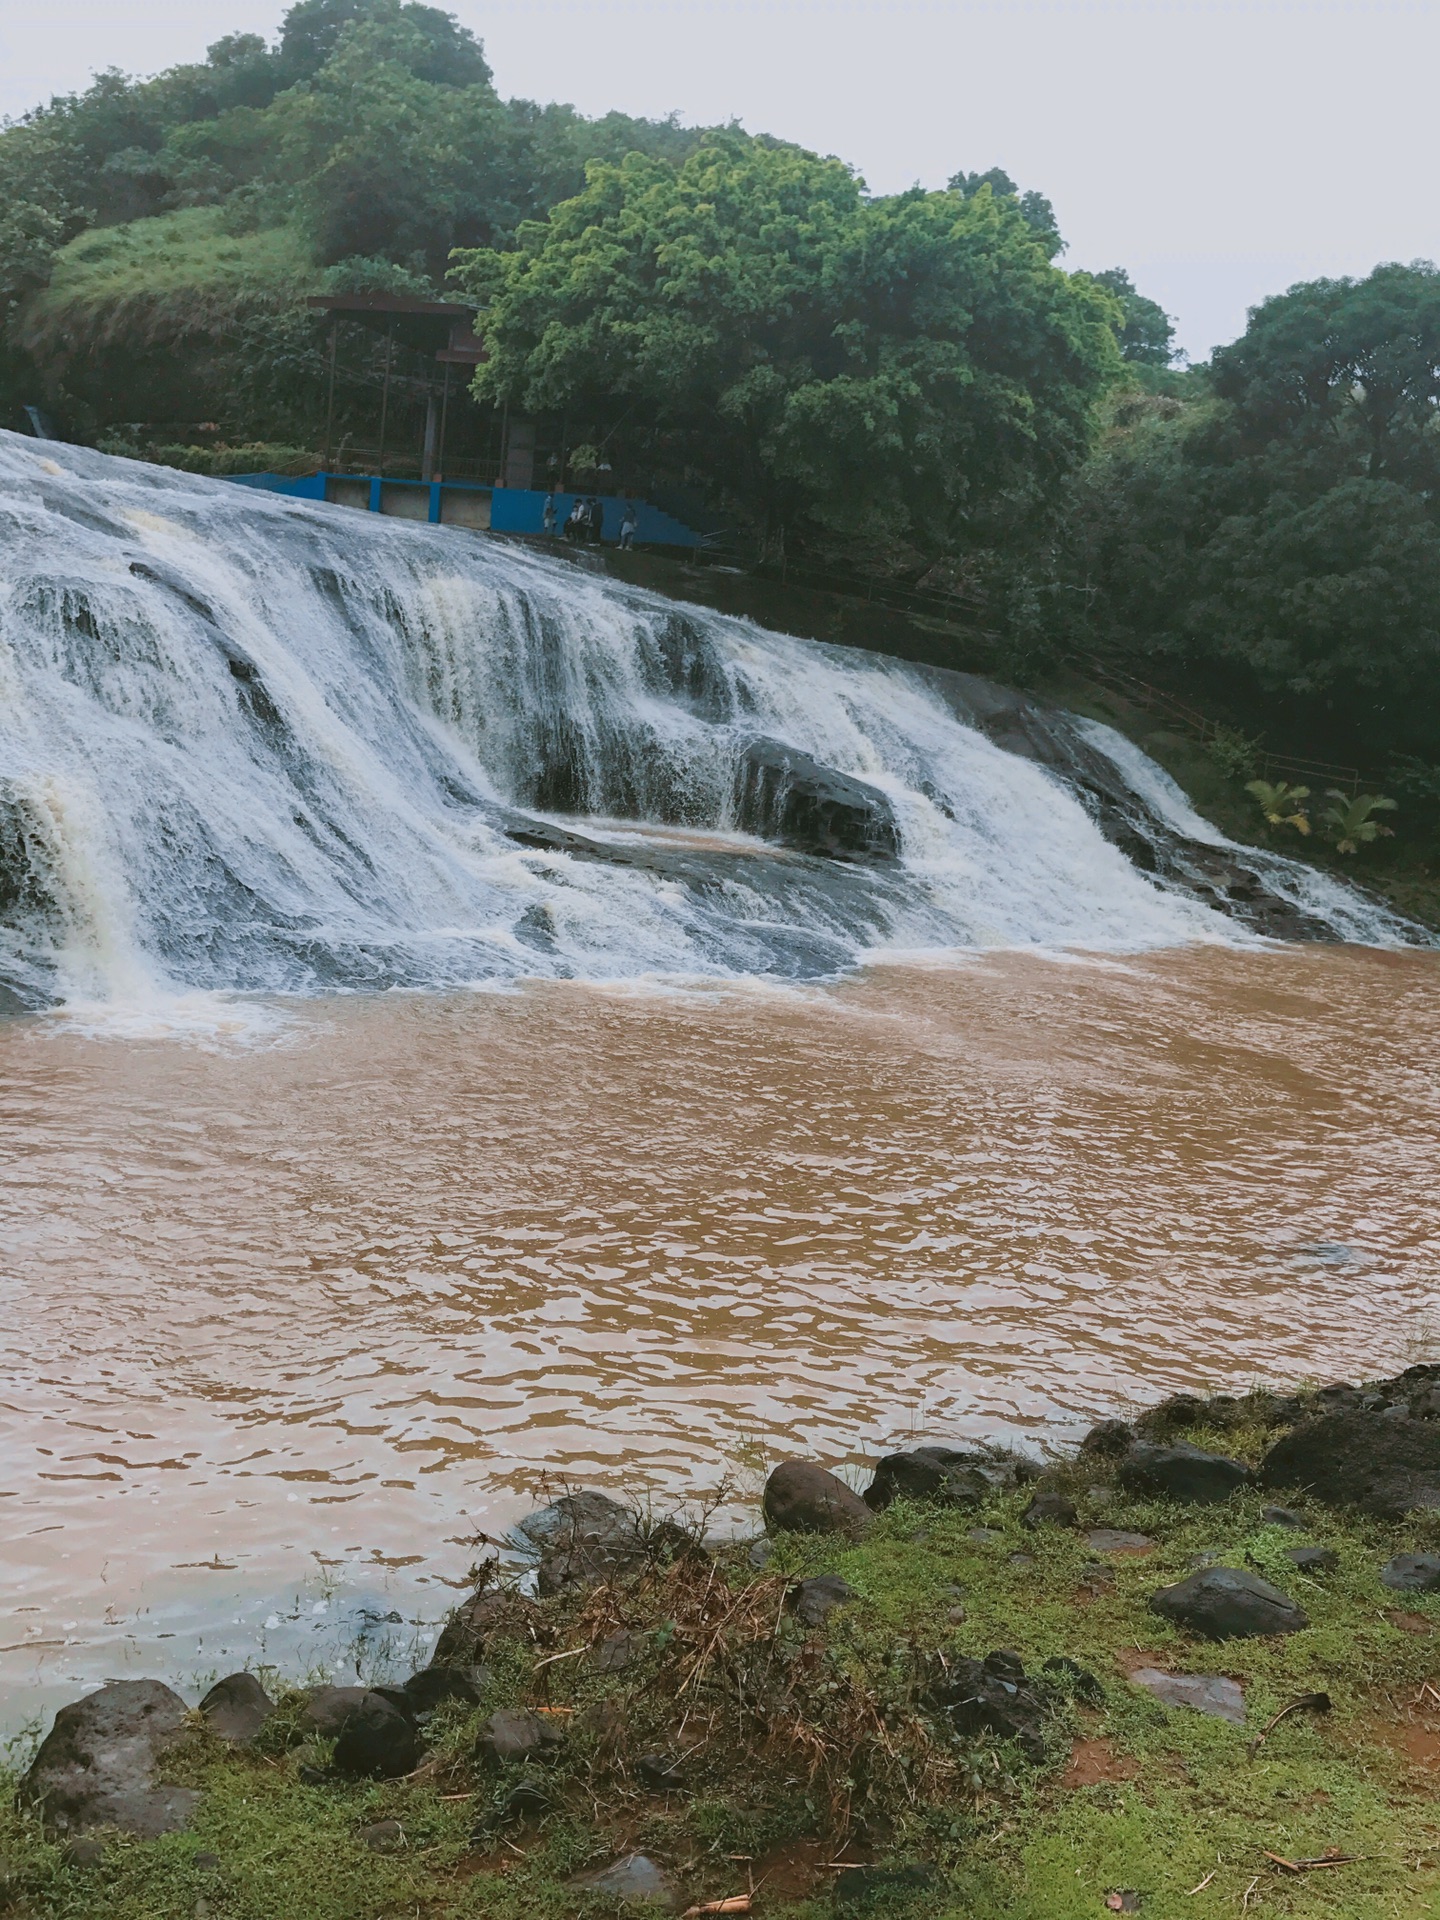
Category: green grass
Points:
column 827, row 1742
column 166, row 275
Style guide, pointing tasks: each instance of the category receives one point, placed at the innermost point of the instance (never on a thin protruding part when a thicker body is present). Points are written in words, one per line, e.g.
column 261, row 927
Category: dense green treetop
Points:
column 1147, row 336
column 913, row 366
column 1284, row 531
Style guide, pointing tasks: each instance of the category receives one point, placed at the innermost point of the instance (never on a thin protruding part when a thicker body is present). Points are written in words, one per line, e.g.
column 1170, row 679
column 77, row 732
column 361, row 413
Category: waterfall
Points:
column 264, row 746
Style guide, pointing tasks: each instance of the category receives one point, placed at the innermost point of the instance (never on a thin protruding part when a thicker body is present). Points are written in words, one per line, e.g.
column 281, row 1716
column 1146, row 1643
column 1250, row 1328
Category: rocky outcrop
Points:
column 98, row 1763
column 948, row 1476
column 490, row 1615
column 802, row 1497
column 1229, row 1603
column 813, row 1601
column 1412, row 1573
column 1181, row 1473
column 583, row 1538
column 994, row 1695
column 377, row 1741
column 513, row 1735
column 1382, row 1459
column 782, row 794
column 236, row 1708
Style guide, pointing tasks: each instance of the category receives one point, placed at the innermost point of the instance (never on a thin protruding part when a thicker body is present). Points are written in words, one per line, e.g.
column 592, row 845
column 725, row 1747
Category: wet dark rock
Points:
column 376, row 1742
column 1182, row 1473
column 860, row 1888
column 513, row 1735
column 760, row 1553
column 1108, row 1440
column 384, row 1836
column 1117, row 1540
column 328, row 1708
column 802, row 1497
column 398, row 1698
column 1228, row 1603
column 489, row 1616
column 949, row 1476
column 1075, row 1679
column 660, row 1773
column 584, row 1538
column 1412, row 1573
column 1161, row 1422
column 1313, row 1559
column 436, row 1687
column 1050, row 1509
column 634, row 1880
column 1020, row 1560
column 984, row 1536
column 236, row 1708
column 814, row 1600
column 1356, row 1459
column 1209, row 1693
column 96, row 1766
column 1283, row 1517
column 313, row 1776
column 785, row 795
column 207, row 1862
column 994, row 1696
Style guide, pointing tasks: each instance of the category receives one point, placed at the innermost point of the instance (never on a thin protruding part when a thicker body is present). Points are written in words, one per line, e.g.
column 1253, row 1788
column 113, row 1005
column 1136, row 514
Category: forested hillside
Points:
column 909, row 387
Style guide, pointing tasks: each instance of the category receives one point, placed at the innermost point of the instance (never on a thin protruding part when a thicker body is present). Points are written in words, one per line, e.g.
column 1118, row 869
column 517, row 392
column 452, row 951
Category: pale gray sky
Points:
column 1220, row 149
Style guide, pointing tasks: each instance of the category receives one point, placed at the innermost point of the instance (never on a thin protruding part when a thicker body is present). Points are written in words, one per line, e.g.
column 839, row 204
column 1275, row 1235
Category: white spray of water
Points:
column 253, row 745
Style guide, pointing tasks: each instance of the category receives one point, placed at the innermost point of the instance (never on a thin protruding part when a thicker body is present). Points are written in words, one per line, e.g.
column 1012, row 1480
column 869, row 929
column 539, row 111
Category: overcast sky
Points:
column 1219, row 149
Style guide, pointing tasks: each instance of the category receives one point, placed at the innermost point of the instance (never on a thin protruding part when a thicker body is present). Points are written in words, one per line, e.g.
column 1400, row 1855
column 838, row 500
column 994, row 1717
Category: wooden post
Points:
column 444, row 416
column 385, row 394
column 330, row 406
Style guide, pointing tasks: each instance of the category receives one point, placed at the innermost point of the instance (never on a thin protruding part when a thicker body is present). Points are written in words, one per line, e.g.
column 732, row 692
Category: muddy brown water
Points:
column 290, row 1319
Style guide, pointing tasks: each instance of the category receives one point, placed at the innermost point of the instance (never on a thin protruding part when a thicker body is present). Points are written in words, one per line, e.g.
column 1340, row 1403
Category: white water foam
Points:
column 253, row 745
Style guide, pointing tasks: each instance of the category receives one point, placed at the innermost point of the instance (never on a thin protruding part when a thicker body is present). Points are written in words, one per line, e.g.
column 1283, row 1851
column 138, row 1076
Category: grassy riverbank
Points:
column 797, row 1748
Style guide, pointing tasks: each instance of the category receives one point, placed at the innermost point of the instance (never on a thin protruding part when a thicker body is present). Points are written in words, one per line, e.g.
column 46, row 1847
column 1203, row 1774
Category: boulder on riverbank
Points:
column 1229, row 1603
column 801, row 1496
column 1384, row 1460
column 1183, row 1473
column 97, row 1765
column 948, row 1476
column 236, row 1708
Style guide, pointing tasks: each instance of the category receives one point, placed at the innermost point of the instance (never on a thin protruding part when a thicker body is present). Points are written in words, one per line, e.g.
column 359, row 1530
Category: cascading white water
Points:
column 248, row 743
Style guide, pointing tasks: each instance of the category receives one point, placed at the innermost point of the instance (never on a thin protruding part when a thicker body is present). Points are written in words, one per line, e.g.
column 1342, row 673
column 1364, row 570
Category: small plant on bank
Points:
column 1350, row 823
column 1281, row 804
column 1235, row 752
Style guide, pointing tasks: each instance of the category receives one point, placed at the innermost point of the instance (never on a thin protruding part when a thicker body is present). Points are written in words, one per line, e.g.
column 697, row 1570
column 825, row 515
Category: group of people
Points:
column 585, row 521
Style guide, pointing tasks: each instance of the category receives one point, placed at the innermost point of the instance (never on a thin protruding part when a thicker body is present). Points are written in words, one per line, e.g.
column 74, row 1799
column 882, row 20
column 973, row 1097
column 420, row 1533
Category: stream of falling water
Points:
column 296, row 1304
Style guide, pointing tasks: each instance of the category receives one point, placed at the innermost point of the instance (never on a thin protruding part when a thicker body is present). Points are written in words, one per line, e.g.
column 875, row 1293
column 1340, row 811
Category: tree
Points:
column 1035, row 209
column 1278, row 533
column 910, row 366
column 1147, row 337
column 440, row 50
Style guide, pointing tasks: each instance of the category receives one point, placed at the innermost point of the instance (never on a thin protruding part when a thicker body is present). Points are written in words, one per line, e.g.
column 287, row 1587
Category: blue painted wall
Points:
column 512, row 509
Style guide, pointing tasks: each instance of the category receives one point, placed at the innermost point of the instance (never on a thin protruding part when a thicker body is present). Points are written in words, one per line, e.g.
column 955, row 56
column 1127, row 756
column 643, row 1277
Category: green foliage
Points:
column 910, row 366
column 1234, row 751
column 1147, row 335
column 1279, row 536
column 1281, row 804
column 1351, row 824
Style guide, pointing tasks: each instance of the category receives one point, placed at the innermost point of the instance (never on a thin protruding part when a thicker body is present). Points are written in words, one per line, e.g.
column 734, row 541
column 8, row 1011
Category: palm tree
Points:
column 1350, row 821
column 1281, row 804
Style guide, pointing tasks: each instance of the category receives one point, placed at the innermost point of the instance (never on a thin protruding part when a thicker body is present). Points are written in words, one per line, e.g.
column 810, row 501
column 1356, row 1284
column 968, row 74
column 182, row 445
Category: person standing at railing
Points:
column 629, row 527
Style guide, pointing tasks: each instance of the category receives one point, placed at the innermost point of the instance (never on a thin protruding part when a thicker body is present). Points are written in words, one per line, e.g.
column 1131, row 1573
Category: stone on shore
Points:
column 814, row 1600
column 634, row 1880
column 512, row 1735
column 96, row 1766
column 1383, row 1462
column 377, row 1741
column 1049, row 1508
column 994, row 1695
column 584, row 1538
column 1117, row 1540
column 1212, row 1693
column 490, row 1615
column 236, row 1708
column 949, row 1476
column 328, row 1708
column 1229, row 1603
column 434, row 1687
column 1182, row 1473
column 802, row 1497
column 1412, row 1573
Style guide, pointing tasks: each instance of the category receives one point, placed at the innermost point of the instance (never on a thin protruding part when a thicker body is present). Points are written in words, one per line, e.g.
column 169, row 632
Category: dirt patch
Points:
column 792, row 1871
column 1415, row 1623
column 1093, row 1762
column 1127, row 1659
